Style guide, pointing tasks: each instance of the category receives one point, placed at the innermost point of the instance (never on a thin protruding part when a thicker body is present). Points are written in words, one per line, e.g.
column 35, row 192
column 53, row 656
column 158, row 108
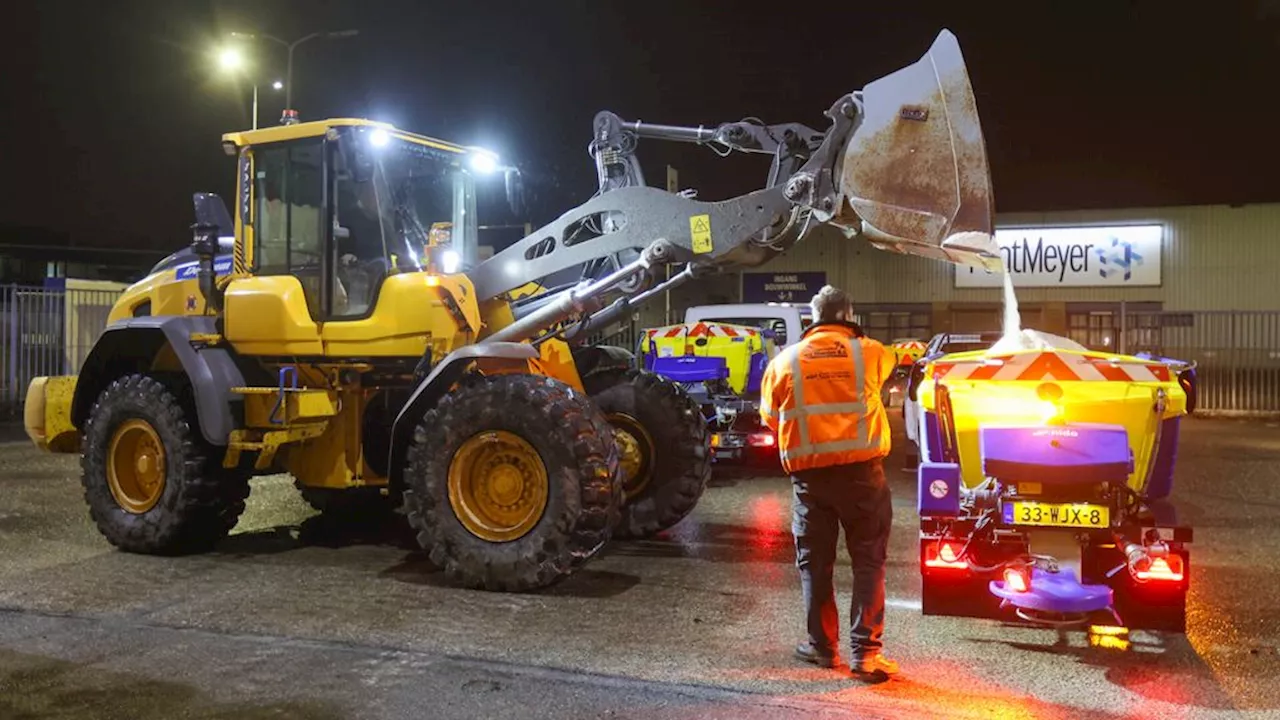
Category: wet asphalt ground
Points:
column 296, row 617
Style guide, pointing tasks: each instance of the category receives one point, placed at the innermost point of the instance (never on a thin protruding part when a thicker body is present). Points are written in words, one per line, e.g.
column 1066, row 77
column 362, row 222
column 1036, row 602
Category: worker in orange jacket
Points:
column 822, row 398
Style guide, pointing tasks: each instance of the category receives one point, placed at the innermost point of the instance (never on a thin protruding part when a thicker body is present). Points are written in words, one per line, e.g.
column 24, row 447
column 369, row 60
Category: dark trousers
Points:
column 857, row 498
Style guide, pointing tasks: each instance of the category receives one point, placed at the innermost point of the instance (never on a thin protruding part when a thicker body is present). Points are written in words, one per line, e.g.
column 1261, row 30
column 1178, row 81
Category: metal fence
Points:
column 45, row 331
column 1237, row 354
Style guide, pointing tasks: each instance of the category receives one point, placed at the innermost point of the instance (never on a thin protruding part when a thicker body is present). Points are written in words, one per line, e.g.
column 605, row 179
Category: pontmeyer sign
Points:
column 1086, row 256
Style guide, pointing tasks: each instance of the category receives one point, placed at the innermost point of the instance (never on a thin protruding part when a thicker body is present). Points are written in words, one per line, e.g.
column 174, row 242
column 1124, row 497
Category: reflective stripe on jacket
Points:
column 822, row 397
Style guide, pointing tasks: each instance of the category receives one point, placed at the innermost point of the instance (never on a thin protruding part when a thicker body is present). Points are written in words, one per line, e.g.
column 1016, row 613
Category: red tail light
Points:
column 761, row 440
column 1017, row 580
column 1167, row 569
column 944, row 555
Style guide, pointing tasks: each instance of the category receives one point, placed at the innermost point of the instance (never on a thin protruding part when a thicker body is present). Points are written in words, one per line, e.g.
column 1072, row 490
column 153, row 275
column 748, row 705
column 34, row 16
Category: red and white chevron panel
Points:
column 1066, row 367
column 669, row 331
column 701, row 329
column 719, row 330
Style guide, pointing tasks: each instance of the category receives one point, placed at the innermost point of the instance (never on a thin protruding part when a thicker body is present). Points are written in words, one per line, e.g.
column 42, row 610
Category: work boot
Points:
column 873, row 667
column 806, row 652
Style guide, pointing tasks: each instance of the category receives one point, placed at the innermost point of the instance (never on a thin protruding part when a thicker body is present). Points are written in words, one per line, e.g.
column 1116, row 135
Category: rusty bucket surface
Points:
column 914, row 175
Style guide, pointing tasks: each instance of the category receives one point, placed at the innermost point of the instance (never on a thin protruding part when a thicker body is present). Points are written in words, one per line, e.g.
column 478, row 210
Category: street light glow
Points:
column 231, row 59
column 277, row 85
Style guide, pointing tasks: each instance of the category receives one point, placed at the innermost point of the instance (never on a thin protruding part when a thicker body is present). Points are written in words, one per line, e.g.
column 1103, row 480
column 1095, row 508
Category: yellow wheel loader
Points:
column 317, row 329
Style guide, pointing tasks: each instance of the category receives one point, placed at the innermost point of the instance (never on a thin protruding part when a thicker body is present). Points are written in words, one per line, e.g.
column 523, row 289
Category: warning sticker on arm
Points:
column 700, row 229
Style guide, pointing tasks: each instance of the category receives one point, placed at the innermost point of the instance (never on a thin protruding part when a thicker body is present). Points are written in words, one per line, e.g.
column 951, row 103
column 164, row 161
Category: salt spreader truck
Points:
column 1044, row 487
column 718, row 356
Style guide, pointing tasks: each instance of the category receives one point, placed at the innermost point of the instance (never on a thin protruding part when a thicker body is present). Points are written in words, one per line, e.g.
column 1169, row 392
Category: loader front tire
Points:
column 512, row 482
column 664, row 444
column 151, row 484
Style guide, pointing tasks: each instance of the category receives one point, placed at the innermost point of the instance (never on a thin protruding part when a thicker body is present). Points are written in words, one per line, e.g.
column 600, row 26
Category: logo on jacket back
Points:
column 839, row 350
column 1118, row 258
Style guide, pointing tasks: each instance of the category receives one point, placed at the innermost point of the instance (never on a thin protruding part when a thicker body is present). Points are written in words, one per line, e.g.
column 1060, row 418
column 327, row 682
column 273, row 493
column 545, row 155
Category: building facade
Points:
column 1083, row 274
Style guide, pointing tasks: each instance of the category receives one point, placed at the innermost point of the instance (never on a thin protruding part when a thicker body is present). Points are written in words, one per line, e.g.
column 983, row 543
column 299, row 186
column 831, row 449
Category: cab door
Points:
column 273, row 310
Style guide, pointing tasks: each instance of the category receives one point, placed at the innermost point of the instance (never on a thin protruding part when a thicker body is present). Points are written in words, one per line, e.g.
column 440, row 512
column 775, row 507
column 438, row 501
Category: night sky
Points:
column 113, row 110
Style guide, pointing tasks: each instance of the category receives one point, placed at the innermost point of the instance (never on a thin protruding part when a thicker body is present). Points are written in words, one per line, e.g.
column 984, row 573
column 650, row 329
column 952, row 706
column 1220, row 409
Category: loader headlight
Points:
column 483, row 161
column 450, row 260
column 379, row 138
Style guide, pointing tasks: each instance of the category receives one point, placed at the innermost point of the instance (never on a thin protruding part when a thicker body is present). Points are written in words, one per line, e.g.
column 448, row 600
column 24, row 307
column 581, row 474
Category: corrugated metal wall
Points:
column 1213, row 258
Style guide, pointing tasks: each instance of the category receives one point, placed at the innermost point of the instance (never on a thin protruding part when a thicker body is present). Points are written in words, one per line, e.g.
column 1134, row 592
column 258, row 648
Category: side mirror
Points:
column 514, row 183
column 1187, row 378
column 913, row 381
column 211, row 213
column 204, row 244
column 204, row 240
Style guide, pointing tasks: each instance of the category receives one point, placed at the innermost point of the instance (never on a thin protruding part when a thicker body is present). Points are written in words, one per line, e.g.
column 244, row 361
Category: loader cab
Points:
column 337, row 219
column 343, row 205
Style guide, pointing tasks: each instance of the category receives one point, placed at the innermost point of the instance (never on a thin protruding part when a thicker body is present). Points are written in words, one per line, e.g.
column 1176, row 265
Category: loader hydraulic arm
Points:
column 902, row 162
column 613, row 147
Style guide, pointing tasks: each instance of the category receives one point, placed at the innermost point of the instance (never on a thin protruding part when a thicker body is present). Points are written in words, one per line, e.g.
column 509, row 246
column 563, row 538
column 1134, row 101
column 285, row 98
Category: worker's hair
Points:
column 830, row 302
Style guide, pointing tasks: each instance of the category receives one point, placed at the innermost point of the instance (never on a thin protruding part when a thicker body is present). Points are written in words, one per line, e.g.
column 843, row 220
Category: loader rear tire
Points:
column 151, row 483
column 663, row 431
column 512, row 482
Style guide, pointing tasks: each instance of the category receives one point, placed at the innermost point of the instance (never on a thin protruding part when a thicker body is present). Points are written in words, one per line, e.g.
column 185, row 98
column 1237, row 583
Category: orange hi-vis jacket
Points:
column 822, row 397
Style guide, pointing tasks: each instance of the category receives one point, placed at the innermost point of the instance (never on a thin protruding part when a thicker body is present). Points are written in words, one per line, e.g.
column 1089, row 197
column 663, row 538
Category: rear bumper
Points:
column 47, row 414
column 750, row 447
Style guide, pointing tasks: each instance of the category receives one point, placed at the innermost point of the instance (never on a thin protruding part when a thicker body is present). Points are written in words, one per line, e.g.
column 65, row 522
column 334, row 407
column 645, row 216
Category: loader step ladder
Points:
column 277, row 416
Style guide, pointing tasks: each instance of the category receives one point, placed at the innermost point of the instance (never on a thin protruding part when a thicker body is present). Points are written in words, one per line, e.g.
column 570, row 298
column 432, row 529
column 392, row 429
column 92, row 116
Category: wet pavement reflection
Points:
column 711, row 605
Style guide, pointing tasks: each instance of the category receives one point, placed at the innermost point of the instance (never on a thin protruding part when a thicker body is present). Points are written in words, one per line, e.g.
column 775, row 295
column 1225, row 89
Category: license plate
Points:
column 1081, row 515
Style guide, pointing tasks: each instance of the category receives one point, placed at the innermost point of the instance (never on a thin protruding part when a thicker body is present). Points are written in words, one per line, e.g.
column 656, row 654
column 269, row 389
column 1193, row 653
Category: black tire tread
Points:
column 683, row 466
column 590, row 481
column 201, row 501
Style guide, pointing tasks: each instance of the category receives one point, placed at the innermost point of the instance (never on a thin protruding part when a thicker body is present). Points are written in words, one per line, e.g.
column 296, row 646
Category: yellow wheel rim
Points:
column 136, row 466
column 636, row 453
column 498, row 486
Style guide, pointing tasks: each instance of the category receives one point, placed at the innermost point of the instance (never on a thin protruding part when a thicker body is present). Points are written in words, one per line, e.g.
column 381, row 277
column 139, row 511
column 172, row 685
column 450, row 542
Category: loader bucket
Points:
column 914, row 177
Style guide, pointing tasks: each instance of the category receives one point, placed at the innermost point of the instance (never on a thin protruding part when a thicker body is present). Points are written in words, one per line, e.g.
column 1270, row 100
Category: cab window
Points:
column 389, row 218
column 288, row 226
column 390, row 206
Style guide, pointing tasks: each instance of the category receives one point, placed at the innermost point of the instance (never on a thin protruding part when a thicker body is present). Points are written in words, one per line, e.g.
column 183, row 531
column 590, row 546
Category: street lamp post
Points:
column 290, row 115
